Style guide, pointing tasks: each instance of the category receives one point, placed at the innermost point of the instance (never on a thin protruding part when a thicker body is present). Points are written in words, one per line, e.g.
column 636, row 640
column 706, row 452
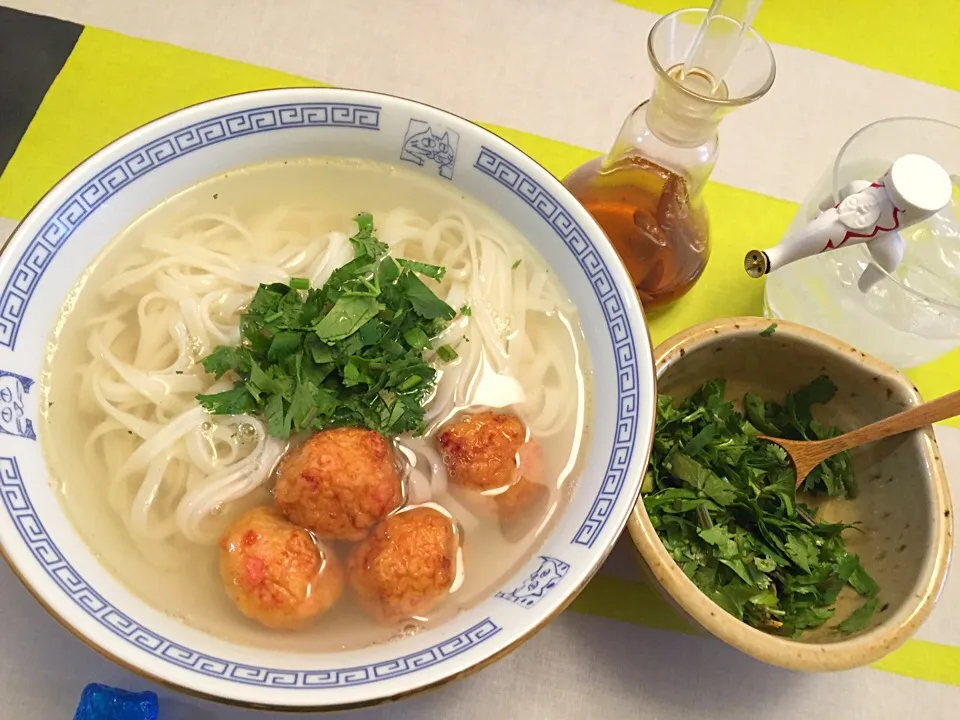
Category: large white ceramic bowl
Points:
column 90, row 206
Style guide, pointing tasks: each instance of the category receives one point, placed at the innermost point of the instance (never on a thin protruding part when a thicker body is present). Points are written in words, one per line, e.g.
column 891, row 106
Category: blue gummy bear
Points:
column 102, row 702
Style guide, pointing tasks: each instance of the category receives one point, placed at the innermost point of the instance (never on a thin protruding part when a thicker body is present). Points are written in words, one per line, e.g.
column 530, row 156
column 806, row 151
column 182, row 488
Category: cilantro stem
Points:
column 809, row 520
column 703, row 516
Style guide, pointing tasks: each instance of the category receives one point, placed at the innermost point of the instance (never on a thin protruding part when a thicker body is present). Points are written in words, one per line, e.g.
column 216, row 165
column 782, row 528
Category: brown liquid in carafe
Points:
column 646, row 212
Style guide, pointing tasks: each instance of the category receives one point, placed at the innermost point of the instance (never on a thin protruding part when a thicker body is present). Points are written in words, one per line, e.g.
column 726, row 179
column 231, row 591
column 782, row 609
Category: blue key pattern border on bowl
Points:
column 17, row 502
column 31, row 266
column 81, row 204
column 621, row 336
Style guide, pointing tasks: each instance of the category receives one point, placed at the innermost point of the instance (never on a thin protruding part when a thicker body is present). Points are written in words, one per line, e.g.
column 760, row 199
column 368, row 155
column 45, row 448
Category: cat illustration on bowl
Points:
column 424, row 142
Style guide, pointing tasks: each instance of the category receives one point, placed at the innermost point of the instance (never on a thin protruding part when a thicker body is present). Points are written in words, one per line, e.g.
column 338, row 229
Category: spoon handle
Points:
column 916, row 417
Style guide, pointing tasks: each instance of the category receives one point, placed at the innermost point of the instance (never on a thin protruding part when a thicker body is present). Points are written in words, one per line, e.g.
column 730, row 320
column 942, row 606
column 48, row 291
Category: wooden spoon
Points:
column 807, row 454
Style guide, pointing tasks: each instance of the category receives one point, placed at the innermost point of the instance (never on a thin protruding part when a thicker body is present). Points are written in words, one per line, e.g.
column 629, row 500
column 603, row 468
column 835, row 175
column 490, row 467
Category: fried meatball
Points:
column 275, row 573
column 489, row 453
column 339, row 483
column 528, row 491
column 406, row 566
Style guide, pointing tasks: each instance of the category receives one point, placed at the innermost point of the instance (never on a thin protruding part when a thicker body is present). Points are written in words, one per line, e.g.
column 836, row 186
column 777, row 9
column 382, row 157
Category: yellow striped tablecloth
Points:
column 555, row 77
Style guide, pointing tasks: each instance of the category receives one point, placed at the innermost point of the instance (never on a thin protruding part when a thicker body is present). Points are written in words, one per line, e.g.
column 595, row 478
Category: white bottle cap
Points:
column 918, row 186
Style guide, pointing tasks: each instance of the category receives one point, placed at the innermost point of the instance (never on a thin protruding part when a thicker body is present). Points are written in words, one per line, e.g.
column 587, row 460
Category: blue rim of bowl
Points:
column 156, row 152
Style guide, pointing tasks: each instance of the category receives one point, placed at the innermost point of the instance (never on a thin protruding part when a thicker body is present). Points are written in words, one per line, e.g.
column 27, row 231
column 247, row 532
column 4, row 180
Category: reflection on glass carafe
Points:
column 646, row 193
column 658, row 229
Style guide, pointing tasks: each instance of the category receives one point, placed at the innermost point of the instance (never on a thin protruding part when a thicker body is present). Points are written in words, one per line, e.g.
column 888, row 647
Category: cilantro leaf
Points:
column 278, row 422
column 431, row 271
column 347, row 316
column 718, row 490
column 387, row 271
column 364, row 222
column 417, row 338
column 284, row 343
column 861, row 581
column 802, row 550
column 799, row 403
column 859, row 618
column 364, row 243
column 235, row 401
column 224, row 359
column 700, row 440
column 720, row 538
column 756, row 410
column 685, row 468
column 425, row 303
column 267, row 299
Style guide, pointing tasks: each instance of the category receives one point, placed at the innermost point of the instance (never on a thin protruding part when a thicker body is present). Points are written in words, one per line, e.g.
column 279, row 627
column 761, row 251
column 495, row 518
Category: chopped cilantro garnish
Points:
column 724, row 505
column 348, row 353
column 431, row 271
column 769, row 330
column 446, row 353
column 465, row 310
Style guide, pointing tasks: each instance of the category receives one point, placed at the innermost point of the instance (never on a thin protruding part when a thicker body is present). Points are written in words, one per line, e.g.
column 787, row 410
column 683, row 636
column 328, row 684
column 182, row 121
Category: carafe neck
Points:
column 673, row 130
column 681, row 119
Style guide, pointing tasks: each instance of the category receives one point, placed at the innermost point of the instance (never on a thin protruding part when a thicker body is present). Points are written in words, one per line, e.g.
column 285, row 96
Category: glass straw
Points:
column 717, row 44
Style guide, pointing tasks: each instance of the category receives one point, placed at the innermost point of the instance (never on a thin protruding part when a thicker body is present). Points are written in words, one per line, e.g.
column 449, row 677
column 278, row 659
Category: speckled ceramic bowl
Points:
column 903, row 506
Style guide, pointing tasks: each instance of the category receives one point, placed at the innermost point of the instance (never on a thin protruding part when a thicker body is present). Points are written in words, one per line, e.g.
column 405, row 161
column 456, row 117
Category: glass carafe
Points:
column 646, row 193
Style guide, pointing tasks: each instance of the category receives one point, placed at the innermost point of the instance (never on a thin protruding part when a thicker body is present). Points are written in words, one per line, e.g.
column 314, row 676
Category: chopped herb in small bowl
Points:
column 831, row 577
column 723, row 503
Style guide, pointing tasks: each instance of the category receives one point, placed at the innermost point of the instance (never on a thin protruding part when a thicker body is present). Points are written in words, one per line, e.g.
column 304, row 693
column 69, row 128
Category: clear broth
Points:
column 193, row 592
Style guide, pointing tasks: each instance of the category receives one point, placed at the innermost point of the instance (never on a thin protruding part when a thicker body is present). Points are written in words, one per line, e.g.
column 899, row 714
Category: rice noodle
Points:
column 172, row 472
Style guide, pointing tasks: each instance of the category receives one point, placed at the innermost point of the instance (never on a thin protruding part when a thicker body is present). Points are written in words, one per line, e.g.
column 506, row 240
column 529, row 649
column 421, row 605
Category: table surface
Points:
column 556, row 78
